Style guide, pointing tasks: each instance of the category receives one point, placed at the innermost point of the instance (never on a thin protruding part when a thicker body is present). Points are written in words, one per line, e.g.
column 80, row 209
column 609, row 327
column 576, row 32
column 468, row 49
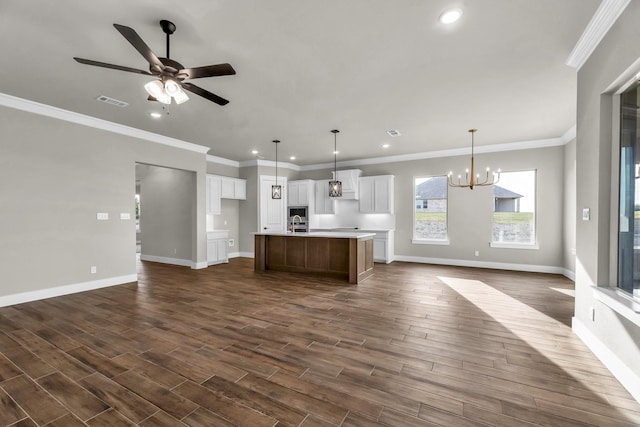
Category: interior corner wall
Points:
column 615, row 60
column 56, row 176
column 569, row 209
column 167, row 202
column 249, row 210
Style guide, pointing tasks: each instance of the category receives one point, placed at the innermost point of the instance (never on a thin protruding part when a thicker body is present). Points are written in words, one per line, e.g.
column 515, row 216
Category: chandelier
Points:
column 471, row 178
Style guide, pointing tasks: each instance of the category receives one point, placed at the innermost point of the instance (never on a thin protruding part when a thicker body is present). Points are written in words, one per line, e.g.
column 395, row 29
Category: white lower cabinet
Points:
column 382, row 246
column 217, row 244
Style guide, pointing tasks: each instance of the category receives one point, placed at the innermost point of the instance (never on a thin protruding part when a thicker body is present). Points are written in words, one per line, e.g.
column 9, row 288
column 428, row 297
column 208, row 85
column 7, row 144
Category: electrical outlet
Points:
column 231, row 242
column 477, row 253
column 94, row 269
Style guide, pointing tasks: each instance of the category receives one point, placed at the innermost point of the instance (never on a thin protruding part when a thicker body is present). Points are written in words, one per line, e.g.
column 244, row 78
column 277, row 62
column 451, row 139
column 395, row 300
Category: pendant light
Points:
column 335, row 186
column 276, row 190
column 472, row 179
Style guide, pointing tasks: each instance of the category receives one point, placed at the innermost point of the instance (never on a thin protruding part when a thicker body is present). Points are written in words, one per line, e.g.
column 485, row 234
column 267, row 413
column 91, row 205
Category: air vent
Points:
column 393, row 132
column 112, row 101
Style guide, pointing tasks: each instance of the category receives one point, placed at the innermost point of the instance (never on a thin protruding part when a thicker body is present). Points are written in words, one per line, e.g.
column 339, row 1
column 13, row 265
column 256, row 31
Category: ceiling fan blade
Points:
column 207, row 71
column 112, row 66
column 204, row 93
column 152, row 98
column 137, row 42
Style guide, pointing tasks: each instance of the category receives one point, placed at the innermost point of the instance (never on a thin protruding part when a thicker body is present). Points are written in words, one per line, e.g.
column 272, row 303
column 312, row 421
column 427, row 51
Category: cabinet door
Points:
column 213, row 195
column 303, row 193
column 222, row 245
column 240, row 189
column 293, row 189
column 228, row 190
column 212, row 251
column 383, row 194
column 366, row 201
column 380, row 249
column 324, row 203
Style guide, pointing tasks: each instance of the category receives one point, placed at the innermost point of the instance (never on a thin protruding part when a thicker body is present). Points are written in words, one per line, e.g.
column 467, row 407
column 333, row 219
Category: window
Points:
column 629, row 207
column 430, row 214
column 514, row 207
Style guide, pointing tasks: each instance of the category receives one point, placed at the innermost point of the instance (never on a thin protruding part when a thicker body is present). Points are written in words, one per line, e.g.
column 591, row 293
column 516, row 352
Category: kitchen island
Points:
column 347, row 255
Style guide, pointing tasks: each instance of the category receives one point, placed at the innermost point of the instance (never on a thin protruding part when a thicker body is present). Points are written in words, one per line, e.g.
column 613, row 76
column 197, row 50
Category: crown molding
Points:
column 512, row 146
column 601, row 22
column 82, row 119
column 222, row 161
column 270, row 163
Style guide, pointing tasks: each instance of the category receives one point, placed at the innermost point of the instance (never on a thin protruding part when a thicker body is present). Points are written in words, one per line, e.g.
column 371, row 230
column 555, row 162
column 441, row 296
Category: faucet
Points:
column 293, row 222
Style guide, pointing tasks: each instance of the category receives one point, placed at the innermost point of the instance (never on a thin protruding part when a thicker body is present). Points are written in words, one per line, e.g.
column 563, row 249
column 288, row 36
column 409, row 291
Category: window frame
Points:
column 520, row 245
column 429, row 241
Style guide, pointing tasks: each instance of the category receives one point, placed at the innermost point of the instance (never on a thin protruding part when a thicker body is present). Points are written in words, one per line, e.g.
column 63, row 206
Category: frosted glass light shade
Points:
column 155, row 88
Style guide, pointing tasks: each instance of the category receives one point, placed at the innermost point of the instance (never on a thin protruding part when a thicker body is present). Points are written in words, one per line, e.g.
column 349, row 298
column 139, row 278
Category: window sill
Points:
column 430, row 242
column 507, row 245
column 618, row 301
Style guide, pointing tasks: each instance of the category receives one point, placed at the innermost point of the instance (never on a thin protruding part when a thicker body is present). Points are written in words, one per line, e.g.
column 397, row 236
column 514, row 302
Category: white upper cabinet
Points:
column 213, row 194
column 376, row 194
column 300, row 192
column 349, row 179
column 233, row 188
column 324, row 203
column 223, row 187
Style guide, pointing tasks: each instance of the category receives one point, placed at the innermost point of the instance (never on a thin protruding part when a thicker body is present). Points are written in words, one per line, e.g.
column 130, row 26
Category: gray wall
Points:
column 470, row 211
column 167, row 211
column 55, row 177
column 613, row 62
column 570, row 215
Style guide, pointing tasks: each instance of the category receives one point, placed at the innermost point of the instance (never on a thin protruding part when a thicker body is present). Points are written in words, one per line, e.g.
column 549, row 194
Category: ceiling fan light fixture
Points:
column 172, row 87
column 180, row 97
column 155, row 88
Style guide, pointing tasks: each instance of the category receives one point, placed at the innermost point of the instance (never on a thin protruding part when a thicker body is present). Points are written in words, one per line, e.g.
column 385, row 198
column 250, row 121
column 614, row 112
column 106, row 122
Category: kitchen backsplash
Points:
column 348, row 216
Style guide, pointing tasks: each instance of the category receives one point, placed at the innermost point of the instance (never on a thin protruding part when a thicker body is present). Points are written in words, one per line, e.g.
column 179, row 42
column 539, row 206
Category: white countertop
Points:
column 333, row 234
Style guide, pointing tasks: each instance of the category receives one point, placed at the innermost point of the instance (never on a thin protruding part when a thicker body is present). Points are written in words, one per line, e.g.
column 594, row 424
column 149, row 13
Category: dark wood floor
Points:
column 414, row 345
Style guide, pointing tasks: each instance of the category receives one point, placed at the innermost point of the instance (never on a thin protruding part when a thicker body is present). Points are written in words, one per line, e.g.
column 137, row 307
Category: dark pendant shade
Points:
column 276, row 191
column 335, row 189
column 335, row 186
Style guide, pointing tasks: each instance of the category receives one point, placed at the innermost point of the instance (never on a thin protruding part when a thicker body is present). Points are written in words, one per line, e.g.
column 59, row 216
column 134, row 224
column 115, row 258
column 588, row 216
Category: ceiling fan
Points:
column 171, row 74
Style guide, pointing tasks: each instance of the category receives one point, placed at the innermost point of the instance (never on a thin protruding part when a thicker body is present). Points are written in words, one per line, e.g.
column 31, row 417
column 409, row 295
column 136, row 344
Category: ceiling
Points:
column 306, row 67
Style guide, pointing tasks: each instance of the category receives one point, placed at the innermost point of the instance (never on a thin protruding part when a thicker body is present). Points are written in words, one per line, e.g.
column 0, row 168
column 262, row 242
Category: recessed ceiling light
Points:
column 450, row 16
column 292, row 158
column 155, row 115
column 254, row 151
column 385, row 145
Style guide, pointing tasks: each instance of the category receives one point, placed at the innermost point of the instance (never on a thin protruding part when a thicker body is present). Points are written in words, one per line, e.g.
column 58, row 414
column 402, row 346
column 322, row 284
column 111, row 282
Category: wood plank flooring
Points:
column 413, row 345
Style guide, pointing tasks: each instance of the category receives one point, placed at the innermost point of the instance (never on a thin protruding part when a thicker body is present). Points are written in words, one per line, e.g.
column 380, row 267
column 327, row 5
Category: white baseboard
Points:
column 65, row 290
column 244, row 254
column 167, row 260
column 482, row 264
column 569, row 274
column 629, row 379
column 199, row 265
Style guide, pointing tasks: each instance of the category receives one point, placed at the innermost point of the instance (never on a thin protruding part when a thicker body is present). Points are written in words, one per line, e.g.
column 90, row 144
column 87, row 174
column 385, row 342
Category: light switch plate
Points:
column 125, row 215
column 585, row 214
column 103, row 216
